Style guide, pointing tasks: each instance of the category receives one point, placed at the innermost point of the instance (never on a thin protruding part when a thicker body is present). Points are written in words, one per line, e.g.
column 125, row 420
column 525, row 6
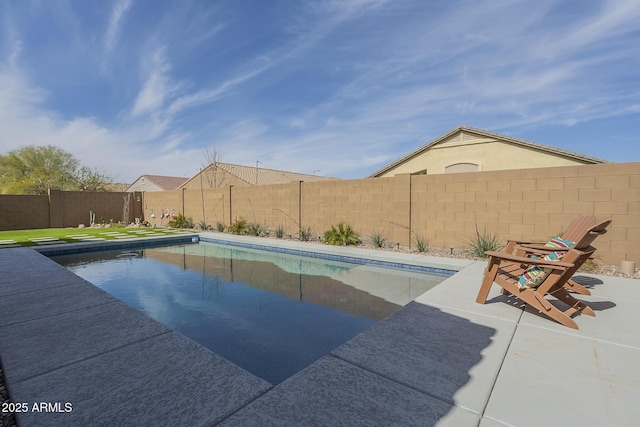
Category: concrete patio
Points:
column 440, row 360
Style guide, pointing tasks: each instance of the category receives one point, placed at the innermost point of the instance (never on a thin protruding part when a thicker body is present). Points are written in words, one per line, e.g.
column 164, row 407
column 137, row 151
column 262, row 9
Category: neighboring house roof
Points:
column 264, row 176
column 521, row 142
column 166, row 183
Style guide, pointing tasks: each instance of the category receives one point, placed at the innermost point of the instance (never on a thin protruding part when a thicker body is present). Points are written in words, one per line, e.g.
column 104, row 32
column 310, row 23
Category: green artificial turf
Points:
column 23, row 237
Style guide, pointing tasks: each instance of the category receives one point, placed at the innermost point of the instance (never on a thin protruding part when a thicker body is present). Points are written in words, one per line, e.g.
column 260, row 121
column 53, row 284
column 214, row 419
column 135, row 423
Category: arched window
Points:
column 462, row 167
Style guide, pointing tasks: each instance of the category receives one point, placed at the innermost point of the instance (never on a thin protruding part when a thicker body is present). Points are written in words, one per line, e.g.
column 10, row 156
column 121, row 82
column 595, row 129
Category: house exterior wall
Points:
column 489, row 153
column 144, row 185
column 220, row 179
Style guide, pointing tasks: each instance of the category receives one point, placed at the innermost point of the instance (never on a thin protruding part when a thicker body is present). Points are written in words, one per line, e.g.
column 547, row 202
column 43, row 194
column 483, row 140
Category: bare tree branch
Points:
column 211, row 172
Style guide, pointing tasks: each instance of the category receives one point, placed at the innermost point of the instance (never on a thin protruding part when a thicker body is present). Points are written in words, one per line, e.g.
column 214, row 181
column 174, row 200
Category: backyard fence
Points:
column 444, row 209
column 67, row 209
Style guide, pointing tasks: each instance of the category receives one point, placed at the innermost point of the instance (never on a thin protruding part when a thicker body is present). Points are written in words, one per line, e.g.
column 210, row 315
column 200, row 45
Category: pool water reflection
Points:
column 272, row 314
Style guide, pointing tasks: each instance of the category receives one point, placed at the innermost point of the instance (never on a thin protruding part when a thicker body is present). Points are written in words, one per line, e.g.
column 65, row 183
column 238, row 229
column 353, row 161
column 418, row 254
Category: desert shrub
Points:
column 239, row 226
column 202, row 225
column 483, row 242
column 280, row 231
column 256, row 229
column 378, row 239
column 220, row 226
column 341, row 235
column 421, row 242
column 181, row 221
column 304, row 234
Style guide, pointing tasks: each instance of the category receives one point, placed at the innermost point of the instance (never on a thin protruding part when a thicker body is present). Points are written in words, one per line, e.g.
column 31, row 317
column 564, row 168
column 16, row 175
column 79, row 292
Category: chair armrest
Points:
column 538, row 247
column 501, row 256
column 520, row 242
column 522, row 246
column 529, row 250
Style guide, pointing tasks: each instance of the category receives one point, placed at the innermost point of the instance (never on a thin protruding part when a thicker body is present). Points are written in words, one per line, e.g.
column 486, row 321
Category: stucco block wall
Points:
column 368, row 205
column 64, row 209
column 527, row 204
column 446, row 208
column 161, row 202
column 22, row 212
column 533, row 204
column 77, row 205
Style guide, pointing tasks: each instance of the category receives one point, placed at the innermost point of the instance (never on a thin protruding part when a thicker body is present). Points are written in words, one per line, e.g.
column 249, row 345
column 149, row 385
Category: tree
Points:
column 33, row 170
column 91, row 180
column 212, row 168
column 36, row 169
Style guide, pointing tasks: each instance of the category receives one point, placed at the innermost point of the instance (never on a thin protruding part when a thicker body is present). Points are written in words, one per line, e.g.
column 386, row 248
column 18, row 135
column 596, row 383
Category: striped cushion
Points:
column 558, row 243
column 534, row 275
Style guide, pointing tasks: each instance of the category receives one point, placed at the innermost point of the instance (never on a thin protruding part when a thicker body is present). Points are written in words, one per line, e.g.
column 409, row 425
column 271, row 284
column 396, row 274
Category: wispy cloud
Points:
column 615, row 17
column 15, row 50
column 25, row 119
column 341, row 86
column 208, row 95
column 117, row 14
column 158, row 86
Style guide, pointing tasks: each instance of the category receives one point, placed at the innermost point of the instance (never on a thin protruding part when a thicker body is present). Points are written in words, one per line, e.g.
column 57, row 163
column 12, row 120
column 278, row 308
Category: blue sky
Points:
column 338, row 88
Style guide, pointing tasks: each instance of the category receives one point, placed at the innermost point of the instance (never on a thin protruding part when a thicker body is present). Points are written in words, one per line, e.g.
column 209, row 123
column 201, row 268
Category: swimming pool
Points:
column 270, row 313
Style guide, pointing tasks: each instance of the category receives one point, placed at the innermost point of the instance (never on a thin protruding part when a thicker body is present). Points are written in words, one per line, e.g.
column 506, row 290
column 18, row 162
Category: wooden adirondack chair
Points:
column 505, row 270
column 575, row 232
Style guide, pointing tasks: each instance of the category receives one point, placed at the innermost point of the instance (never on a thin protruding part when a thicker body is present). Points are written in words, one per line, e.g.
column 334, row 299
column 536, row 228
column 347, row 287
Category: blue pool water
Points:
column 270, row 313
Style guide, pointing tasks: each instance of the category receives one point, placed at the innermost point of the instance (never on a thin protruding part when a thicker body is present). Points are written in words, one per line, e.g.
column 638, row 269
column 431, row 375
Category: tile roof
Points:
column 265, row 176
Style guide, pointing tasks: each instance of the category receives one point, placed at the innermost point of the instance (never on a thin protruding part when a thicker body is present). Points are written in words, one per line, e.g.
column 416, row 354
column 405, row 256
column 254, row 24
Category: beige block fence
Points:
column 446, row 209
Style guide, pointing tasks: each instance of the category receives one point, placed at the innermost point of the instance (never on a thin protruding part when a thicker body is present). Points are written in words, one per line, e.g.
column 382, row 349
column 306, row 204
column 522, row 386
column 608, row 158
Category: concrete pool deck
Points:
column 440, row 360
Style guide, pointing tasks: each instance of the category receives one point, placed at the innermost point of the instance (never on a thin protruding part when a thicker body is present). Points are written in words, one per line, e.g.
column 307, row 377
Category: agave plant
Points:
column 342, row 235
column 256, row 229
column 422, row 243
column 484, row 242
column 304, row 234
column 378, row 239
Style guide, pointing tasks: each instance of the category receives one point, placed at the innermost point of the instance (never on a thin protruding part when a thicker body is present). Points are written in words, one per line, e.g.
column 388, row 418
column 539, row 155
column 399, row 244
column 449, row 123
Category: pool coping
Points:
column 107, row 245
column 414, row 262
column 442, row 359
